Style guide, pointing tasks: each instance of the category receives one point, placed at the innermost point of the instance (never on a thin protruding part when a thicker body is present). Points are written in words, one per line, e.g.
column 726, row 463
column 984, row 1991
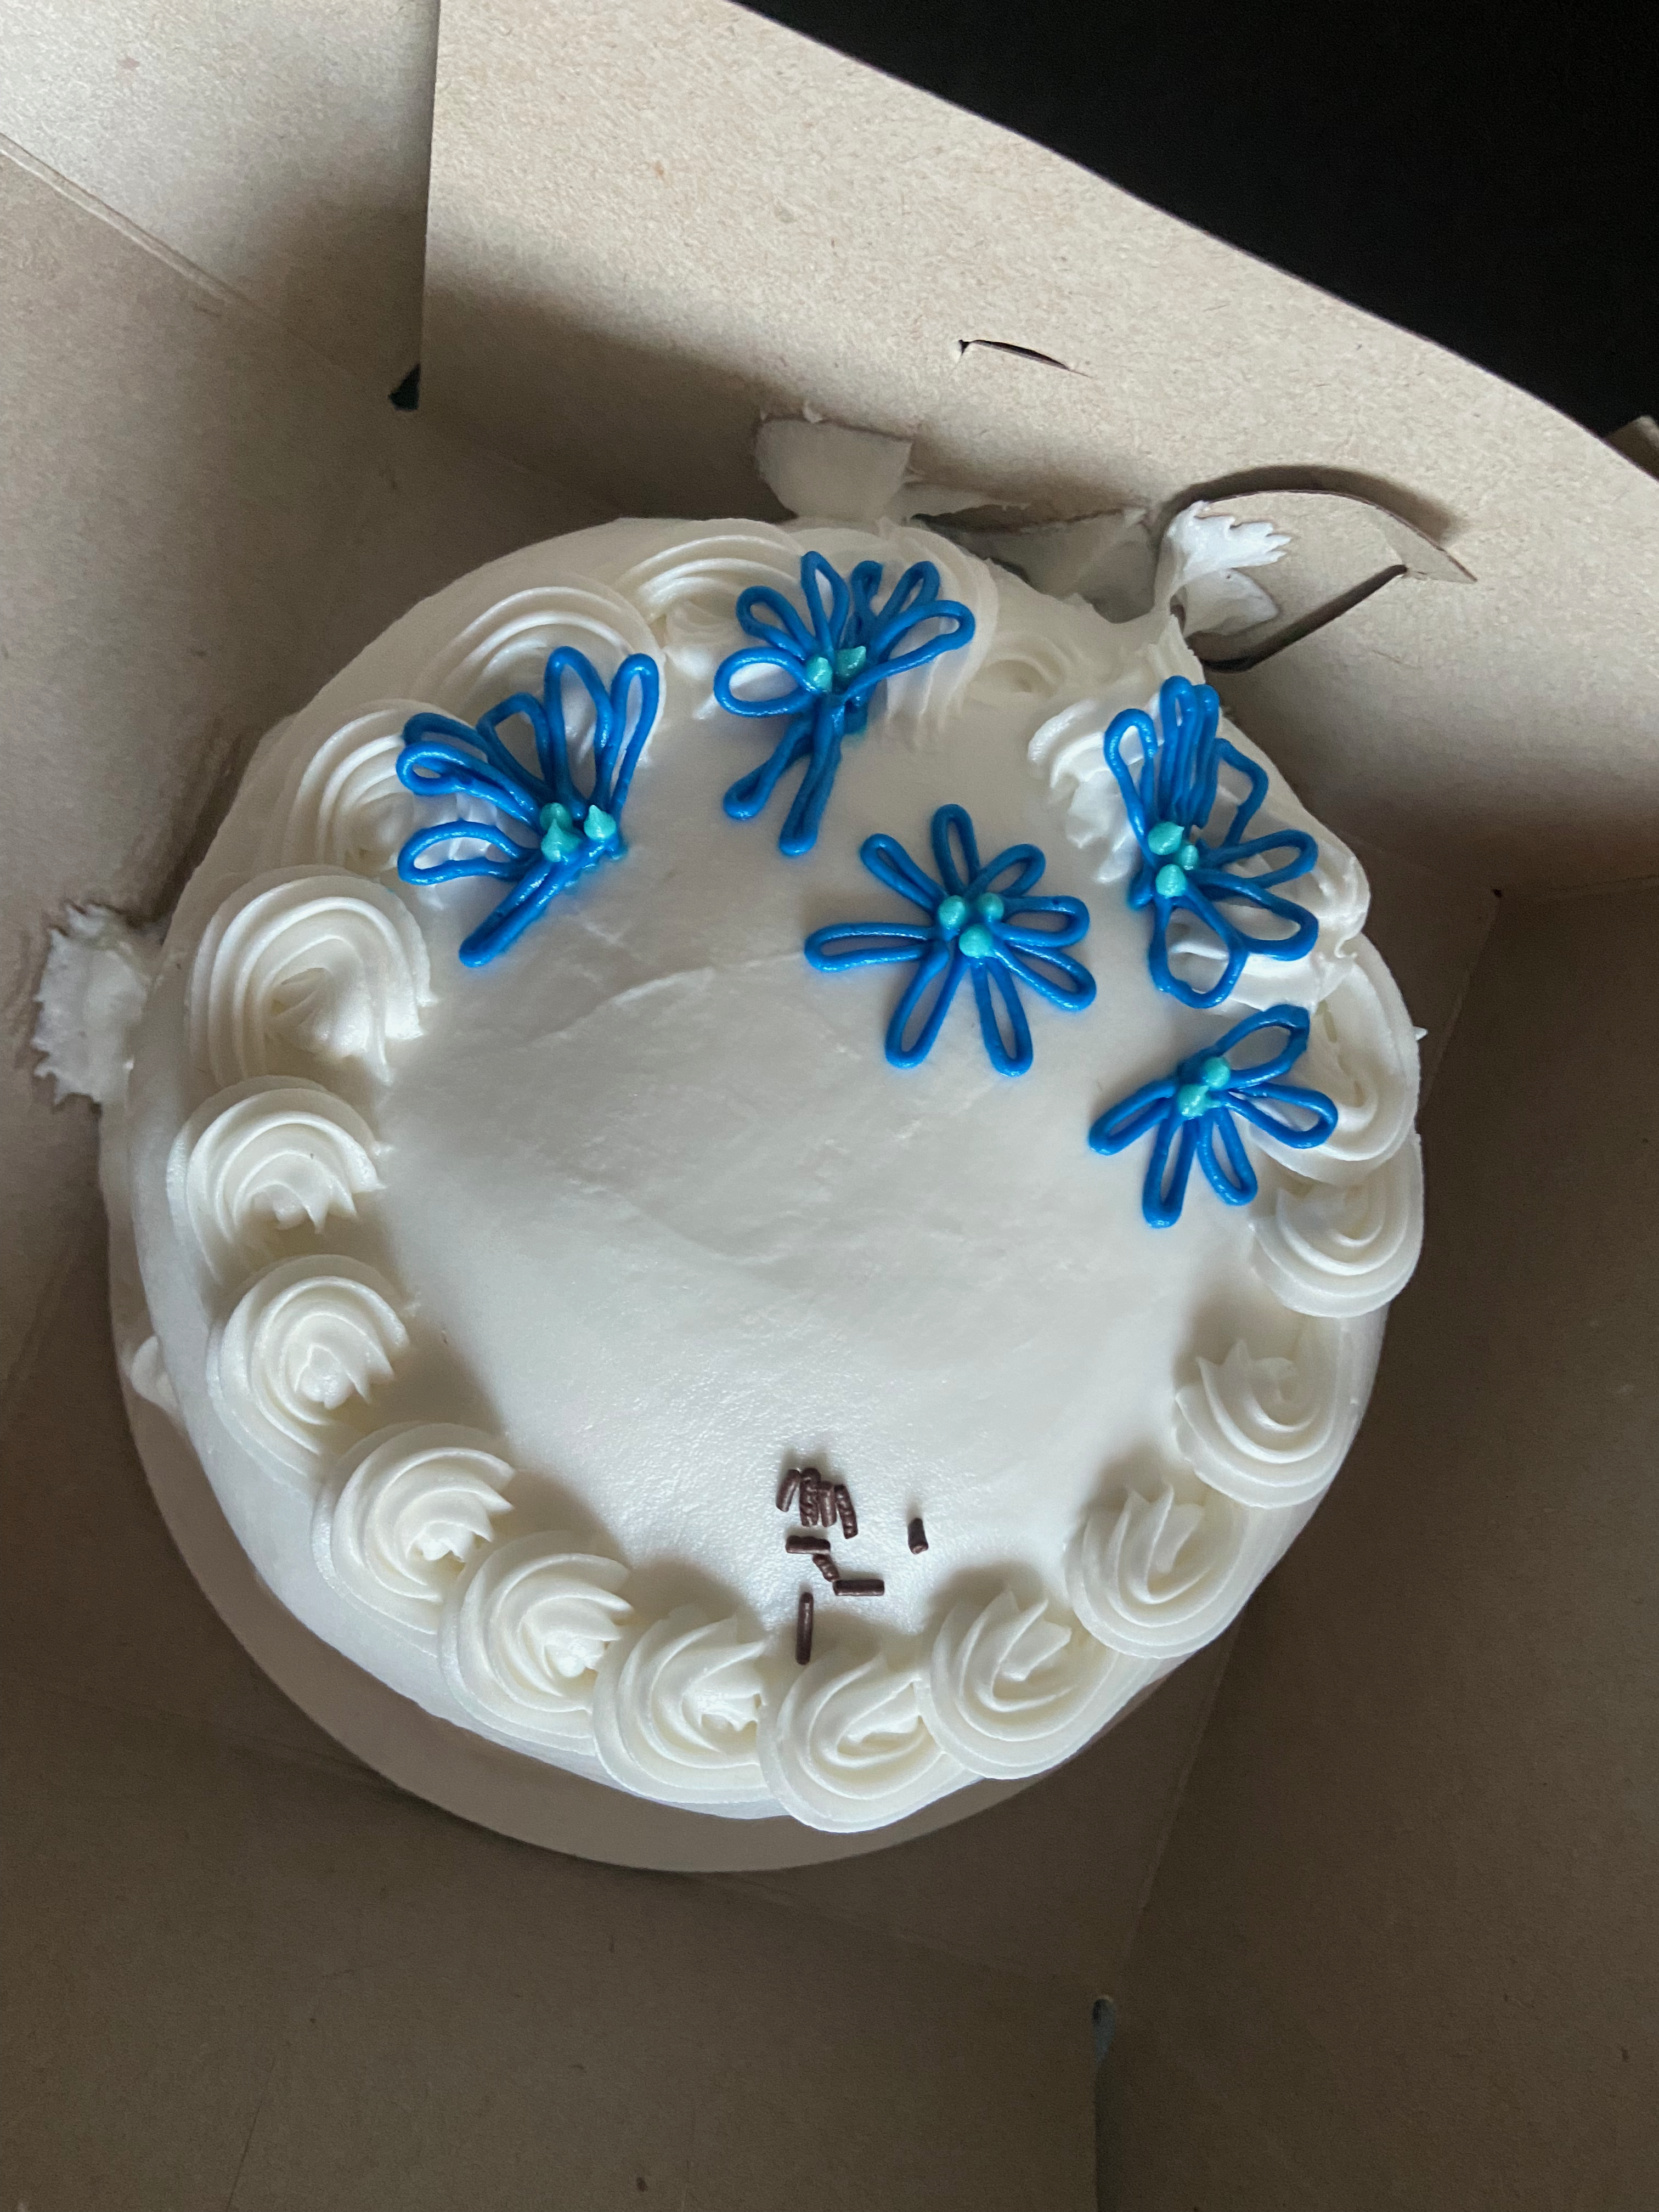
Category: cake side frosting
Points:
column 498, row 1299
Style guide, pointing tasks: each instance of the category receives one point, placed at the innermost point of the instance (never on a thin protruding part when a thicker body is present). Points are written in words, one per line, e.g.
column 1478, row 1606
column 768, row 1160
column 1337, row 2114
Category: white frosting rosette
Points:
column 403, row 1515
column 1161, row 1566
column 1340, row 1249
column 1272, row 1428
column 1012, row 1689
column 687, row 592
column 305, row 967
column 307, row 1342
column 676, row 1711
column 342, row 805
column 848, row 1746
column 259, row 1159
column 1362, row 1053
column 523, row 1633
column 504, row 648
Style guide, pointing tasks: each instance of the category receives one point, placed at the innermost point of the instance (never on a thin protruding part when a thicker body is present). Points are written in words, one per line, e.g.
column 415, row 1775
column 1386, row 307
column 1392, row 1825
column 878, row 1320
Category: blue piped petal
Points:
column 444, row 758
column 999, row 943
column 1193, row 1115
column 939, row 974
column 832, row 663
column 1168, row 798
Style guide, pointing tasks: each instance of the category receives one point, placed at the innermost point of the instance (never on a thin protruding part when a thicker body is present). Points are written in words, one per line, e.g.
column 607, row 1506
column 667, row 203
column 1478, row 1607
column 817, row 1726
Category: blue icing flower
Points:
column 831, row 662
column 1195, row 1113
column 1169, row 808
column 977, row 926
column 569, row 831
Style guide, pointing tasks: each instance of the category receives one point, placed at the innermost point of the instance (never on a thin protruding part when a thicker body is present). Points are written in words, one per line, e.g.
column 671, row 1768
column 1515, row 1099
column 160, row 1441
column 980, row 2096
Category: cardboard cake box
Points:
column 1377, row 1920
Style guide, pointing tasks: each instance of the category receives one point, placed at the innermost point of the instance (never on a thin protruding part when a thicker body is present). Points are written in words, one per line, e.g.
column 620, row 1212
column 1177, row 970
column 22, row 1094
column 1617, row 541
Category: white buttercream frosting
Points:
column 99, row 974
column 1272, row 1429
column 342, row 805
column 671, row 1222
column 260, row 1158
column 1343, row 1248
column 1202, row 564
column 305, row 967
column 505, row 649
column 676, row 1711
column 307, row 1341
column 686, row 591
column 1012, row 1689
column 1362, row 1053
column 524, row 1631
column 404, row 1514
column 147, row 1371
column 1164, row 1564
column 848, row 1747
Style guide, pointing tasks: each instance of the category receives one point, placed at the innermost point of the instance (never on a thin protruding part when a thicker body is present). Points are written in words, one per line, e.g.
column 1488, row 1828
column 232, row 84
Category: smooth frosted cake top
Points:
column 502, row 1301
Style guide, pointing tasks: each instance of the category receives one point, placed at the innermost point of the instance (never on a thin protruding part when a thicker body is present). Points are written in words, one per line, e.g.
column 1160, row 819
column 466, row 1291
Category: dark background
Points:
column 1490, row 182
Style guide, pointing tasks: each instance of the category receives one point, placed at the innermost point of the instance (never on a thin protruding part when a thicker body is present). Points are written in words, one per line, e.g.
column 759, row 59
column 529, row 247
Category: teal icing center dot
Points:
column 1180, row 851
column 1192, row 1099
column 563, row 840
column 559, row 839
column 956, row 918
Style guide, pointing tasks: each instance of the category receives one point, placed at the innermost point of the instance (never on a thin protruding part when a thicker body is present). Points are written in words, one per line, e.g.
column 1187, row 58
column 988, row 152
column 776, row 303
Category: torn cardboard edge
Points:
column 1191, row 551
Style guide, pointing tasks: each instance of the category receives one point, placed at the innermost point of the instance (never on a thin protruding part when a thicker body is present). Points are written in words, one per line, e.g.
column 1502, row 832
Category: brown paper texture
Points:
column 651, row 227
column 1402, row 1948
column 206, row 521
column 281, row 151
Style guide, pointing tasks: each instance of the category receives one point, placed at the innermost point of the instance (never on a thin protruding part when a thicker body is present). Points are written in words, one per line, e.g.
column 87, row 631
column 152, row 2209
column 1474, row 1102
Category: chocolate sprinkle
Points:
column 805, row 1540
column 918, row 1535
column 825, row 1565
column 803, row 1628
column 858, row 1585
column 819, row 1504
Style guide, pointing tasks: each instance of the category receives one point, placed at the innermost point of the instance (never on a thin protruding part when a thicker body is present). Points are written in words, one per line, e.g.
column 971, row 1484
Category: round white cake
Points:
column 693, row 1338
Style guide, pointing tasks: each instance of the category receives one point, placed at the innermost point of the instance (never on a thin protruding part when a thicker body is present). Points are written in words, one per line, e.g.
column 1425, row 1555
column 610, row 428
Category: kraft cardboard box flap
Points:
column 651, row 227
column 279, row 152
column 207, row 519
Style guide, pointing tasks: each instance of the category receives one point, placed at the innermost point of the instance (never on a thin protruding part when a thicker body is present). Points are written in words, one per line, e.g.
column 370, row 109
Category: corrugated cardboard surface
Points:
column 650, row 225
column 1403, row 1948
